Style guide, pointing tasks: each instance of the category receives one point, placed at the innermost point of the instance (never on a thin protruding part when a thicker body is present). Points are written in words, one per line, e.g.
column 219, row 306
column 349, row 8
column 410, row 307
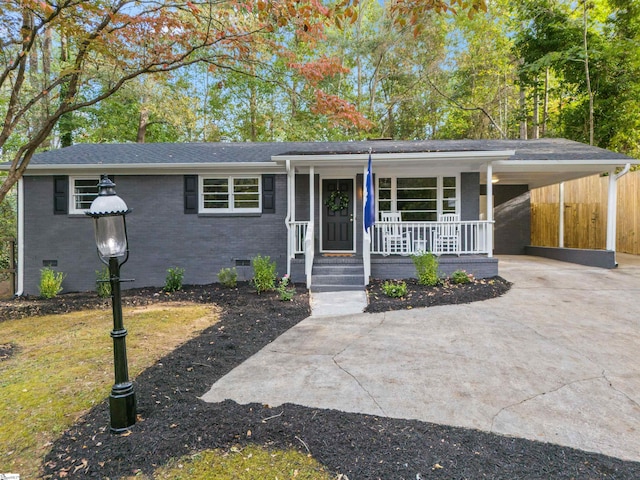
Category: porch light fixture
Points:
column 108, row 212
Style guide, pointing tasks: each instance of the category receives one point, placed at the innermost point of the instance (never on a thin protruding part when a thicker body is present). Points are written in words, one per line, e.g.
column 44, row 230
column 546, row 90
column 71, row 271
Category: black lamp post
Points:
column 108, row 212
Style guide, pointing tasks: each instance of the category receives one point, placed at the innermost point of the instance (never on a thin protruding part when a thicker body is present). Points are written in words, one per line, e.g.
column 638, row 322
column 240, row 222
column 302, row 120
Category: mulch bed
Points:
column 446, row 294
column 174, row 422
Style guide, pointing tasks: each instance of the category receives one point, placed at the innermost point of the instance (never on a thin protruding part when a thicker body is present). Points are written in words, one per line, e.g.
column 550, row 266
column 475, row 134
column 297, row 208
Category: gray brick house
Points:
column 206, row 206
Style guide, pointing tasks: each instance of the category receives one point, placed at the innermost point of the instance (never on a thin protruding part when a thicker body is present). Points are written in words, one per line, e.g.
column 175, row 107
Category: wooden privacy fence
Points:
column 585, row 214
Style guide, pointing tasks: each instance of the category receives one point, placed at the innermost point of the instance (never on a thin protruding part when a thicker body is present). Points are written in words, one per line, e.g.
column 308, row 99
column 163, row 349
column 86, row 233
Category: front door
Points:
column 337, row 214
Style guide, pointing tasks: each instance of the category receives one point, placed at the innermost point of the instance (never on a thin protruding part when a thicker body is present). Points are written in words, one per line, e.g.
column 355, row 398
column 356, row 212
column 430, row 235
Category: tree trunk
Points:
column 65, row 123
column 545, row 106
column 586, row 69
column 535, row 131
column 143, row 122
column 46, row 77
column 253, row 114
column 523, row 113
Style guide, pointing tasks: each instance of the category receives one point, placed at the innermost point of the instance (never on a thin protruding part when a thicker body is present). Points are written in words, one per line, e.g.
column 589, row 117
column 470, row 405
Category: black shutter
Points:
column 268, row 194
column 60, row 195
column 190, row 194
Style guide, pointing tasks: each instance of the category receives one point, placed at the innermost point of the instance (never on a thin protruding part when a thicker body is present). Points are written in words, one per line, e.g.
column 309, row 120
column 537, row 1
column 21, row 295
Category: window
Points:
column 419, row 199
column 83, row 191
column 230, row 194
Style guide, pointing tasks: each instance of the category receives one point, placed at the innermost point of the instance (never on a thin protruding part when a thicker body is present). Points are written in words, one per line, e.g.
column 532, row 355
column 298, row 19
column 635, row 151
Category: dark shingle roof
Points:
column 196, row 153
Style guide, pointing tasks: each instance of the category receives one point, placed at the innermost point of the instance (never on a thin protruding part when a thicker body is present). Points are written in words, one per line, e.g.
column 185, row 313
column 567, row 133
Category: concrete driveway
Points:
column 557, row 359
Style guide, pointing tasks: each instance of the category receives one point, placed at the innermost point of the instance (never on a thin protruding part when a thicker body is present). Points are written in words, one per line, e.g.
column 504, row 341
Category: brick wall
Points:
column 160, row 234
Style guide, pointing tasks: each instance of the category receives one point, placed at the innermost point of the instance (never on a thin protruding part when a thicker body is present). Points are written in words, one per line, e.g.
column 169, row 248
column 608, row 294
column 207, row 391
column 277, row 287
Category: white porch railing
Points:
column 406, row 238
column 302, row 240
column 299, row 230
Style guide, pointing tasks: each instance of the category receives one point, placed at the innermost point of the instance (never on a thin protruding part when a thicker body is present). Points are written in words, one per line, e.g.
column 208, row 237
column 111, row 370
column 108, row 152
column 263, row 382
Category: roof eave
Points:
column 146, row 168
column 348, row 159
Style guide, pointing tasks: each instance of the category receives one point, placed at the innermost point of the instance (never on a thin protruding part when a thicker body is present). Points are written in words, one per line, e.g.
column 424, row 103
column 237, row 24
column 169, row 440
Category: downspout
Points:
column 490, row 210
column 20, row 266
column 287, row 219
column 612, row 207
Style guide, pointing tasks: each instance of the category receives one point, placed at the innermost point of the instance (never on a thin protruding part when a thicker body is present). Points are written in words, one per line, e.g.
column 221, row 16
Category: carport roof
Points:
column 533, row 162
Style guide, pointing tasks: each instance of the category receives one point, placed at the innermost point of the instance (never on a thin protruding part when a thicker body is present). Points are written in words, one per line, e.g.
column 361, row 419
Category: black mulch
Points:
column 7, row 350
column 446, row 294
column 173, row 421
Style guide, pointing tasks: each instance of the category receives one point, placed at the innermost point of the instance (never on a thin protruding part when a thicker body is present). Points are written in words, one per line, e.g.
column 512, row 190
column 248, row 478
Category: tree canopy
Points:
column 142, row 70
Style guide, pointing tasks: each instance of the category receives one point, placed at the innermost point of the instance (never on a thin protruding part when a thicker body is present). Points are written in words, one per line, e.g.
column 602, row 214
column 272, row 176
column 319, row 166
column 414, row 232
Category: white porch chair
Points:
column 447, row 234
column 395, row 239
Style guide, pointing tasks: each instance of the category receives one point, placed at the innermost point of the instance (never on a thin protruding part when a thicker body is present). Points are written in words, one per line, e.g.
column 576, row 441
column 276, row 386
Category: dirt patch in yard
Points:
column 173, row 421
column 6, row 351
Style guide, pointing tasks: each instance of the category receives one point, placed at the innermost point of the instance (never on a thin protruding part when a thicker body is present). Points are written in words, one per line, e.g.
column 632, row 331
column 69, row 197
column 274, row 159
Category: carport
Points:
column 539, row 163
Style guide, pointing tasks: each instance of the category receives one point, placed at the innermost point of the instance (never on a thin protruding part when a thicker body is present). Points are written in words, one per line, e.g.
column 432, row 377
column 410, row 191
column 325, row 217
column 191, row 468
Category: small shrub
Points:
column 284, row 290
column 173, row 282
column 394, row 289
column 460, row 277
column 264, row 273
column 228, row 277
column 103, row 286
column 427, row 268
column 50, row 282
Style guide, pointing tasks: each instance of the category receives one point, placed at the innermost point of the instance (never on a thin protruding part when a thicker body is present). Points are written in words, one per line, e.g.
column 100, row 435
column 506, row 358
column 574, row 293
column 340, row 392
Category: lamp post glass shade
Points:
column 111, row 236
column 108, row 211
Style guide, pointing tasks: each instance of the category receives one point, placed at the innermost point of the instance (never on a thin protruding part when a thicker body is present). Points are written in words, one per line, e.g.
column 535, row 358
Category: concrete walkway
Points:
column 556, row 359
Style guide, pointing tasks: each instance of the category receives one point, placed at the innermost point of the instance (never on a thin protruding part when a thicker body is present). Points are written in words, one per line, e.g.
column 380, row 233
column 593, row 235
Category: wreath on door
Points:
column 338, row 200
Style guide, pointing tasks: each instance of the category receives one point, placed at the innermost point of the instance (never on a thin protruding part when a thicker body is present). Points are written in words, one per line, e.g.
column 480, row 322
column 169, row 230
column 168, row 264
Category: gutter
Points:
column 150, row 168
column 624, row 171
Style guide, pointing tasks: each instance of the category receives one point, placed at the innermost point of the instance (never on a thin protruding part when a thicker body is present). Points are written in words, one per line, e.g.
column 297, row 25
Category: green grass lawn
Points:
column 62, row 365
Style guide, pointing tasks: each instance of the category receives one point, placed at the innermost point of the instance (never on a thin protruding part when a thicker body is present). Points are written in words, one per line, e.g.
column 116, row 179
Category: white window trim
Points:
column 72, row 193
column 231, row 209
column 439, row 192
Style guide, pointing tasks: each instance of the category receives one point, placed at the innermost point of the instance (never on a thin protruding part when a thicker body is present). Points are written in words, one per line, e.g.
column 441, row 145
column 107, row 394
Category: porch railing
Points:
column 303, row 244
column 299, row 234
column 406, row 238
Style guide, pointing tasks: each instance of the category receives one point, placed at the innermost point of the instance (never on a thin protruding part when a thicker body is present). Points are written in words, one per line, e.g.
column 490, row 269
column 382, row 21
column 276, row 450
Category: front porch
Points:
column 386, row 253
column 416, row 211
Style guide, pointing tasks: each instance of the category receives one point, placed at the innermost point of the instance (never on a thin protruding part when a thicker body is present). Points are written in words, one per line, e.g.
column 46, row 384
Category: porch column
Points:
column 561, row 213
column 20, row 239
column 490, row 210
column 366, row 235
column 291, row 214
column 312, row 194
column 612, row 206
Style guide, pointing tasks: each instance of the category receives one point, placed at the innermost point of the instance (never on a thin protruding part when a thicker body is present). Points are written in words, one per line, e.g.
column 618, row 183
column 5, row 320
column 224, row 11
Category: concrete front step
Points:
column 336, row 288
column 337, row 276
column 337, row 280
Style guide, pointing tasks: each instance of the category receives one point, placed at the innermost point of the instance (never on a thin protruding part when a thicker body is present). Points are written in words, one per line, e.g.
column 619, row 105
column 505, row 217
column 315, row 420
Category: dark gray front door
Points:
column 337, row 214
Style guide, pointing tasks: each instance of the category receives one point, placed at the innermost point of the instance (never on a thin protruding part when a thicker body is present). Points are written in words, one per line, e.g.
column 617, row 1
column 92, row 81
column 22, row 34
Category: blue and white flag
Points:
column 369, row 200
